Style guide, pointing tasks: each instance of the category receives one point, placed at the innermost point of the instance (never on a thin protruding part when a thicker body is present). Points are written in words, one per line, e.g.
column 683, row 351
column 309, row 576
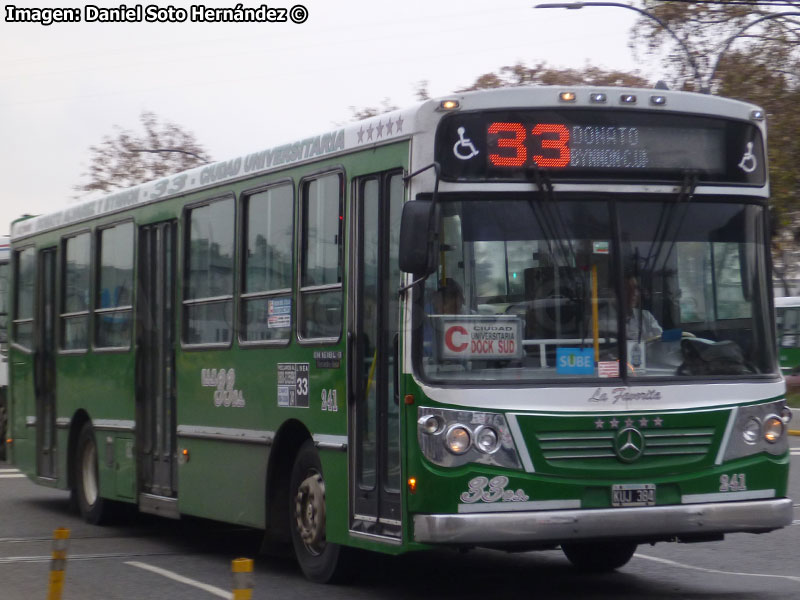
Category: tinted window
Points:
column 25, row 277
column 267, row 302
column 321, row 271
column 115, row 289
column 322, row 226
column 77, row 283
column 209, row 286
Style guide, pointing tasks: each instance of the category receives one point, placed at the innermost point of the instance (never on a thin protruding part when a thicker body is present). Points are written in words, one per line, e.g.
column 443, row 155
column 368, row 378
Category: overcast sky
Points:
column 243, row 87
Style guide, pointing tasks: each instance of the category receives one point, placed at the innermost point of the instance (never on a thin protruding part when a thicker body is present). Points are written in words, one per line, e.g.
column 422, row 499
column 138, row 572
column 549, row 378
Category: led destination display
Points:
column 576, row 143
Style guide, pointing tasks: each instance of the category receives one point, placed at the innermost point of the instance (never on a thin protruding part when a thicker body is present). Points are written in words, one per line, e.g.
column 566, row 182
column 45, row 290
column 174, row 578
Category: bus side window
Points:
column 266, row 310
column 77, row 283
column 321, row 258
column 113, row 307
column 25, row 281
column 208, row 295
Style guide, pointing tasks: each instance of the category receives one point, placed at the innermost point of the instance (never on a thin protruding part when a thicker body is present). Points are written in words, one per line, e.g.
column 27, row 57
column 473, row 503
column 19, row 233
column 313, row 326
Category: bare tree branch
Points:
column 127, row 159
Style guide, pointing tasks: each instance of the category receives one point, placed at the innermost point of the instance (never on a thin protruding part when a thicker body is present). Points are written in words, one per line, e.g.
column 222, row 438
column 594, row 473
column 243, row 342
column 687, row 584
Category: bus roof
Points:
column 375, row 131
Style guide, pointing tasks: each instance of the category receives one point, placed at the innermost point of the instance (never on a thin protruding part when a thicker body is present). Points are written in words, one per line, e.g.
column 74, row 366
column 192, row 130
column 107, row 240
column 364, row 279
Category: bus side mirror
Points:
column 418, row 237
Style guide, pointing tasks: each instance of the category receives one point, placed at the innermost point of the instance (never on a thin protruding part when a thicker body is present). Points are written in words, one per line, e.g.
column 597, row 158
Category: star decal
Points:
column 629, row 422
column 380, row 130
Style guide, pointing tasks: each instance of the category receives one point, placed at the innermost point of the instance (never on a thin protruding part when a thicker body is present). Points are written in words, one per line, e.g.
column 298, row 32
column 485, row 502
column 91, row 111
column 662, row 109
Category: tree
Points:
column 359, row 114
column 541, row 74
column 753, row 60
column 127, row 159
column 707, row 29
column 518, row 75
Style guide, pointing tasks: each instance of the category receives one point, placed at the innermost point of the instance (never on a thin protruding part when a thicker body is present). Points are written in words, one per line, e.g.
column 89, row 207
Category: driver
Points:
column 638, row 316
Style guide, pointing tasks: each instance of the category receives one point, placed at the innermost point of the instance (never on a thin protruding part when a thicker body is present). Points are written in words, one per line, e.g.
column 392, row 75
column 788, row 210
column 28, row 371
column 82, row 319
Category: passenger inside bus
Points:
column 448, row 298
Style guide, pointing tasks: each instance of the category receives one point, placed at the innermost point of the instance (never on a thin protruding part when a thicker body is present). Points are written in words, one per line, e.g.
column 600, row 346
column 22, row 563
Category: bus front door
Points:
column 373, row 357
column 155, row 369
column 45, row 366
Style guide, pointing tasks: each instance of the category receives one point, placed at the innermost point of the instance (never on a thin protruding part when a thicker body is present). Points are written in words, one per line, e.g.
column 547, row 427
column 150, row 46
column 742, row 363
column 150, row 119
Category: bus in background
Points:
column 4, row 274
column 521, row 318
column 787, row 319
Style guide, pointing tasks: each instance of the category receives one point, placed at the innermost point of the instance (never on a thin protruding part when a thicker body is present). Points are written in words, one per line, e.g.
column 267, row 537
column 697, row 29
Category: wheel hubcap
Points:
column 309, row 509
column 89, row 474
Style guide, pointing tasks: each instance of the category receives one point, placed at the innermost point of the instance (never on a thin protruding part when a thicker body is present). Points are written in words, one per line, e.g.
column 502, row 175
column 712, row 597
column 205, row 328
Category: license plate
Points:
column 633, row 494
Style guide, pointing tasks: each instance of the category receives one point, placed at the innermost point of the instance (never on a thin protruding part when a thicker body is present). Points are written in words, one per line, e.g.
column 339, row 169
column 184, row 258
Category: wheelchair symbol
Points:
column 464, row 149
column 748, row 163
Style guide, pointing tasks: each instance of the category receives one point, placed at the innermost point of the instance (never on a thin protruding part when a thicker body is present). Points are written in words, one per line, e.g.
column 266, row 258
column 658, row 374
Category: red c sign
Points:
column 449, row 342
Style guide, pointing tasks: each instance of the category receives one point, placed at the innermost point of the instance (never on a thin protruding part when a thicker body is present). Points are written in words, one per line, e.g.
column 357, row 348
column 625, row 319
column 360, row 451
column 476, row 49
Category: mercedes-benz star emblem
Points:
column 629, row 444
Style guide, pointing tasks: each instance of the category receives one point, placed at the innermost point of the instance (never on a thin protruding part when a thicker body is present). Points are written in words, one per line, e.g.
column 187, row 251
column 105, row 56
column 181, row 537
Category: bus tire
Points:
column 320, row 561
column 599, row 557
column 93, row 508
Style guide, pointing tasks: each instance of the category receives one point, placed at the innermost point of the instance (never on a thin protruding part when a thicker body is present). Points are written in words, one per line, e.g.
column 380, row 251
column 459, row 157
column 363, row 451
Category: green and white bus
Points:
column 787, row 319
column 522, row 318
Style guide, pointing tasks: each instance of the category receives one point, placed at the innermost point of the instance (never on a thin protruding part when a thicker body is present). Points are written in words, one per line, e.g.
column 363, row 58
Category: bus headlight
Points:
column 486, row 440
column 452, row 438
column 458, row 439
column 773, row 429
column 431, row 424
column 751, row 431
column 757, row 428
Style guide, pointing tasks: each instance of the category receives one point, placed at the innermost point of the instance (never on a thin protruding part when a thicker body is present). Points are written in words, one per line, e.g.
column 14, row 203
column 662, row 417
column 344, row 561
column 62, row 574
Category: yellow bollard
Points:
column 58, row 564
column 242, row 578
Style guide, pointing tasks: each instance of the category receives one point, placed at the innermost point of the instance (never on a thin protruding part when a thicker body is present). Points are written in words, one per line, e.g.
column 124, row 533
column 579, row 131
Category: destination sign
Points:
column 488, row 337
column 599, row 144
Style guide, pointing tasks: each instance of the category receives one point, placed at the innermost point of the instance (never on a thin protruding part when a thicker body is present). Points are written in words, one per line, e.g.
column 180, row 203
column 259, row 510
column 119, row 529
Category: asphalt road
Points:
column 146, row 557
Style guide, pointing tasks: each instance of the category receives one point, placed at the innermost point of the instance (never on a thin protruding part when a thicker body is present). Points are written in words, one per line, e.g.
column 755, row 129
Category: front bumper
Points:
column 645, row 523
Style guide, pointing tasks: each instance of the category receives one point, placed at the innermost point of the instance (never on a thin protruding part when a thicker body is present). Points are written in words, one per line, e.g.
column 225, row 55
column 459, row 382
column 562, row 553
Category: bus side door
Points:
column 373, row 355
column 45, row 365
column 155, row 369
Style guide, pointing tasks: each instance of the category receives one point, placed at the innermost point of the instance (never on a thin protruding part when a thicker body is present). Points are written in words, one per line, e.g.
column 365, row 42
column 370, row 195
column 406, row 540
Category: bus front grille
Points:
column 557, row 447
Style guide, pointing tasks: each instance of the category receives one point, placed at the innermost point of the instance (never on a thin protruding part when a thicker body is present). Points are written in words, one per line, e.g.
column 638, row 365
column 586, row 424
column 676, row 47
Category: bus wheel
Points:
column 320, row 561
column 93, row 508
column 599, row 557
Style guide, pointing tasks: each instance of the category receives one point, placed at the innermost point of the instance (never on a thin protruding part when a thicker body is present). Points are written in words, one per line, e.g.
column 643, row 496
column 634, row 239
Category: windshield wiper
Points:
column 665, row 222
column 556, row 232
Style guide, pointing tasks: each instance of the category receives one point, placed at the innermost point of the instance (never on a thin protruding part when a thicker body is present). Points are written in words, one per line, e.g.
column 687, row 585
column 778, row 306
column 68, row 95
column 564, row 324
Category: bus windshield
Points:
column 529, row 288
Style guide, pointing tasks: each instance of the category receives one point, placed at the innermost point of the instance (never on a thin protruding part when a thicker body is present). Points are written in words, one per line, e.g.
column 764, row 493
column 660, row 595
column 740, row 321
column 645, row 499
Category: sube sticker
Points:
column 575, row 361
